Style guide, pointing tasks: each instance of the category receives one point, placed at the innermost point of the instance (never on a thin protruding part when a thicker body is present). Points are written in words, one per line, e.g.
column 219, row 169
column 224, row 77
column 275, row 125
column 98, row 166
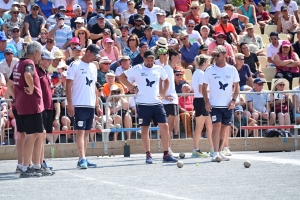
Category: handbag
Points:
column 229, row 36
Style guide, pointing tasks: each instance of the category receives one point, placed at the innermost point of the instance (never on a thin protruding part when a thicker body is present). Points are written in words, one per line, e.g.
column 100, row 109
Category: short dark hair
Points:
column 243, row 43
column 173, row 52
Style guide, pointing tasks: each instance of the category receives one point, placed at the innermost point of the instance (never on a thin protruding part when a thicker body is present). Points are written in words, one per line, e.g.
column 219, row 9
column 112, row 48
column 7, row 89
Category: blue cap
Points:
column 59, row 16
column 47, row 55
column 259, row 80
column 2, row 36
column 77, row 47
column 143, row 44
column 8, row 50
column 99, row 16
column 238, row 109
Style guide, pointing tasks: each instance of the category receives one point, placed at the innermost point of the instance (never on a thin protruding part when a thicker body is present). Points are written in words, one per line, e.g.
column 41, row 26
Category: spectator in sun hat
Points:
column 4, row 45
column 162, row 57
column 58, row 56
column 205, row 32
column 83, row 34
column 16, row 40
column 76, row 53
column 140, row 13
column 104, row 68
column 194, row 15
column 22, row 52
column 160, row 23
column 149, row 38
column 50, row 45
column 220, row 39
column 8, row 14
column 52, row 20
column 13, row 22
column 161, row 43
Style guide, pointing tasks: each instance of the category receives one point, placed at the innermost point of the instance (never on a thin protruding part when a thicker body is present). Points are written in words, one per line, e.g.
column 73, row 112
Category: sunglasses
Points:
column 35, row 8
column 49, row 41
column 178, row 19
column 216, row 55
column 132, row 39
column 178, row 74
column 191, row 26
column 281, row 85
column 44, row 33
column 9, row 54
column 182, row 39
column 260, row 84
column 138, row 21
column 15, row 31
column 15, row 13
column 106, row 63
column 81, row 33
column 64, row 69
column 240, row 58
column 238, row 113
column 232, row 10
column 195, row 8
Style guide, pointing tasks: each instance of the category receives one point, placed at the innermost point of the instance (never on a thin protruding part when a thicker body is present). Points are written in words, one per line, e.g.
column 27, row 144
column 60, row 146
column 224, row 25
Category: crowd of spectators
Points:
column 125, row 29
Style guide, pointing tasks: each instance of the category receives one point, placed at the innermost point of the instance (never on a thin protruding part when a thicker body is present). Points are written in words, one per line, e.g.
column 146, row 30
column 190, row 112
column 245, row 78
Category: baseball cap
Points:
column 273, row 34
column 249, row 25
column 259, row 80
column 284, row 8
column 204, row 26
column 101, row 8
column 124, row 26
column 77, row 47
column 107, row 30
column 219, row 49
column 110, row 74
column 138, row 17
column 204, row 15
column 161, row 12
column 100, row 16
column 191, row 22
column 147, row 27
column 113, row 87
column 44, row 30
column 59, row 16
column 61, row 8
column 140, row 7
column 75, row 40
column 149, row 53
column 35, row 5
column 2, row 36
column 108, row 40
column 238, row 109
column 61, row 64
column 286, row 43
column 98, row 85
column 224, row 14
column 76, row 6
column 203, row 47
column 105, row 59
column 142, row 44
column 79, row 20
column 162, row 51
column 15, row 27
column 47, row 55
column 220, row 33
column 261, row 3
column 177, row 71
column 8, row 50
column 94, row 49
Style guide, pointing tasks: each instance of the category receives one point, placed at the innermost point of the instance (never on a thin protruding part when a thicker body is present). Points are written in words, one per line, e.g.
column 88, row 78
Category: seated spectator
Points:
column 194, row 15
column 8, row 14
column 97, row 29
column 69, row 51
column 296, row 45
column 109, row 9
column 161, row 43
column 58, row 56
column 242, row 120
column 151, row 11
column 46, row 8
column 182, row 6
column 186, row 110
column 3, row 117
column 160, row 23
column 172, row 42
column 127, row 13
column 90, row 10
column 220, row 39
column 138, row 29
column 149, row 38
column 280, row 103
column 125, row 65
column 143, row 47
column 204, row 49
column 259, row 104
column 132, row 47
column 109, row 50
column 119, row 7
column 287, row 24
column 273, row 48
column 205, row 32
column 33, row 23
column 50, row 45
column 121, row 41
column 119, row 111
column 52, row 20
column 287, row 62
column 296, row 103
column 16, row 40
column 83, row 34
column 194, row 36
column 162, row 57
column 62, row 66
column 78, row 13
column 4, row 45
column 244, row 73
column 7, row 65
column 292, row 9
column 140, row 13
column 179, row 82
column 189, row 51
column 106, row 34
column 62, row 33
column 22, row 52
column 204, row 21
column 212, row 10
column 103, row 70
column 76, row 53
column 262, row 16
column 226, row 27
column 235, row 18
column 93, row 20
column 248, row 10
column 252, row 61
column 110, row 80
column 13, row 22
column 179, row 26
column 43, row 36
column 168, row 6
column 69, row 9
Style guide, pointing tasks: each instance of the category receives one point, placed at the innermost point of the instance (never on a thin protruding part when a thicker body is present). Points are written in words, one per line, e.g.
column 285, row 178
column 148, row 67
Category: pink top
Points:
column 283, row 68
column 186, row 102
column 227, row 46
column 111, row 56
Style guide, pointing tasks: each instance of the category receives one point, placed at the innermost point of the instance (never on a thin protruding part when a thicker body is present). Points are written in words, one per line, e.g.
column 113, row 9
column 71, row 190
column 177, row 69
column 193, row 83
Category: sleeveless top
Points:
column 286, row 25
column 69, row 12
column 282, row 107
column 283, row 68
column 111, row 56
column 248, row 13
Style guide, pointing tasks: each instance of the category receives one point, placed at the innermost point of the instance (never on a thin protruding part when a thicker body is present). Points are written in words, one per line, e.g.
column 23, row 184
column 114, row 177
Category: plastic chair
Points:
column 118, row 32
column 171, row 21
column 270, row 28
column 269, row 73
column 265, row 39
column 188, row 74
column 283, row 36
column 295, row 82
column 263, row 61
column 257, row 30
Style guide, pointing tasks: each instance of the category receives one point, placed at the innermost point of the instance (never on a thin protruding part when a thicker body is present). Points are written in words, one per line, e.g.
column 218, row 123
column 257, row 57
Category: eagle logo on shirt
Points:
column 88, row 82
column 222, row 86
column 149, row 83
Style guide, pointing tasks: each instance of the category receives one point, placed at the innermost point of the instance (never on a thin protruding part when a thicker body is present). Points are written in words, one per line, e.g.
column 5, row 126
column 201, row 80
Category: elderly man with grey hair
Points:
column 25, row 88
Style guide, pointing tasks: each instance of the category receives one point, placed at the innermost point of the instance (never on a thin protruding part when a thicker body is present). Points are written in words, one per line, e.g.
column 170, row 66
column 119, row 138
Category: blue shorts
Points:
column 147, row 113
column 243, row 87
column 222, row 115
column 296, row 115
column 83, row 119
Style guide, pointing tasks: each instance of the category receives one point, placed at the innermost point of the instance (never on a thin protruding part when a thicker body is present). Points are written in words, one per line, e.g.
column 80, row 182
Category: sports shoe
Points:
column 227, row 151
column 216, row 158
column 91, row 164
column 169, row 159
column 18, row 169
column 46, row 171
column 211, row 152
column 172, row 153
column 224, row 158
column 45, row 165
column 199, row 154
column 30, row 173
column 82, row 164
column 149, row 159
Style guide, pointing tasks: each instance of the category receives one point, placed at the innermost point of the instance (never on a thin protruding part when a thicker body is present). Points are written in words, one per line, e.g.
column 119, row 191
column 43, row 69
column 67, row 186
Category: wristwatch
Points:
column 233, row 100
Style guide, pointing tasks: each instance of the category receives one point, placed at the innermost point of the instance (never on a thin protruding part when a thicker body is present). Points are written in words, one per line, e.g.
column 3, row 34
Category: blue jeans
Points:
column 108, row 16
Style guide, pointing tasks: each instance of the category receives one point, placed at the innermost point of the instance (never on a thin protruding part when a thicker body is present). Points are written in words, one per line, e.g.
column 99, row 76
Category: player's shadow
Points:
column 8, row 176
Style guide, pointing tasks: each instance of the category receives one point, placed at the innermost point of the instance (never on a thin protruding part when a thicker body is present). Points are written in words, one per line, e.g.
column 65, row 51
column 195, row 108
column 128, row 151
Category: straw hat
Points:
column 281, row 80
column 58, row 54
column 87, row 32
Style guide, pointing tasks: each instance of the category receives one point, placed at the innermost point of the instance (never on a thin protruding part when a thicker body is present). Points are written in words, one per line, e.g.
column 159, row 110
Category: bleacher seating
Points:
column 269, row 73
column 270, row 28
column 263, row 61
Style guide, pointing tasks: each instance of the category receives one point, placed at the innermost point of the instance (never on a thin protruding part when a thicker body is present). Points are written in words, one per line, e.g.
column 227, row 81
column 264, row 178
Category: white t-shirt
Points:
column 194, row 36
column 292, row 7
column 84, row 76
column 272, row 51
column 197, row 80
column 131, row 102
column 119, row 71
column 220, row 81
column 152, row 14
column 171, row 90
column 6, row 6
column 147, row 80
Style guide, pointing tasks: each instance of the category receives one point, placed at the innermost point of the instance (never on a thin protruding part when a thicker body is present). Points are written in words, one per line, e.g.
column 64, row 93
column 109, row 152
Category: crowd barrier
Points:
column 109, row 126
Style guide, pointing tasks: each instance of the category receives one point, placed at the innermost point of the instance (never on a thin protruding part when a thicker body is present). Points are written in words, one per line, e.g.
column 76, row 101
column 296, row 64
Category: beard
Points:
column 149, row 65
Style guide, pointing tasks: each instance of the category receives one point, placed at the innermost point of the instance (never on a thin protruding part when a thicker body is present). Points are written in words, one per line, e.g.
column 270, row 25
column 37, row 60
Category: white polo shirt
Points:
column 84, row 76
column 152, row 14
column 147, row 80
column 171, row 90
column 292, row 7
column 272, row 51
column 197, row 80
column 220, row 81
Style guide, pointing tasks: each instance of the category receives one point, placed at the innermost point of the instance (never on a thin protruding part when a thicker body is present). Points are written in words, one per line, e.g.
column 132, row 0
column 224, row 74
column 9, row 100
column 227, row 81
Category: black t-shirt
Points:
column 211, row 32
column 40, row 41
column 131, row 19
column 69, row 60
column 73, row 24
column 137, row 60
column 139, row 33
column 251, row 61
column 97, row 30
column 212, row 20
column 296, row 47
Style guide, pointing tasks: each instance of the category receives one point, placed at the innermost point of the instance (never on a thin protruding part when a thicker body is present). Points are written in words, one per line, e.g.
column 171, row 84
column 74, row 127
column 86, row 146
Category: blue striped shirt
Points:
column 62, row 35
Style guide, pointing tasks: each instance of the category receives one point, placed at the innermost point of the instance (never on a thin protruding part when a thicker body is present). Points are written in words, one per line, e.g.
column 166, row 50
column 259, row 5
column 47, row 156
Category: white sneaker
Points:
column 227, row 151
column 224, row 158
column 216, row 158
